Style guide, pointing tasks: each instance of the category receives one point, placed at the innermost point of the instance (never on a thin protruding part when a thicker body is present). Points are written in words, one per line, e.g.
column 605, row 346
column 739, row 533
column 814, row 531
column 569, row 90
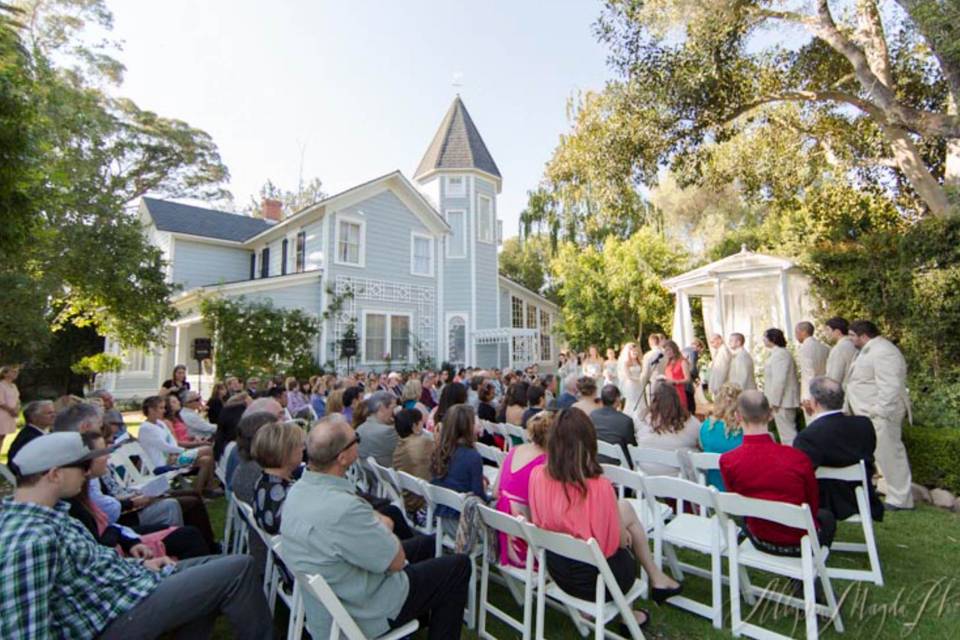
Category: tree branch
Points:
column 811, row 96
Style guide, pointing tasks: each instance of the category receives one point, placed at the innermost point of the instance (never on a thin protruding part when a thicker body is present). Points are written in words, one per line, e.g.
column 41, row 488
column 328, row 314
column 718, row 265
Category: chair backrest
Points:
column 667, row 487
column 222, row 462
column 641, row 455
column 122, row 458
column 516, row 431
column 441, row 496
column 411, row 483
column 487, row 452
column 611, row 450
column 853, row 473
column 789, row 515
column 624, row 478
column 562, row 544
column 699, row 463
column 510, row 525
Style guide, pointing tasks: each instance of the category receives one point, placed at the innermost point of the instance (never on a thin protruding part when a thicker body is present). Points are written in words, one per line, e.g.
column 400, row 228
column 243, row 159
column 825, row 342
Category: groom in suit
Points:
column 832, row 439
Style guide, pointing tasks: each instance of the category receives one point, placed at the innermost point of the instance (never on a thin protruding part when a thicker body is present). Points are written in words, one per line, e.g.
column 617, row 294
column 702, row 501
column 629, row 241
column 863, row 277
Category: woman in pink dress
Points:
column 9, row 400
column 513, row 483
column 677, row 370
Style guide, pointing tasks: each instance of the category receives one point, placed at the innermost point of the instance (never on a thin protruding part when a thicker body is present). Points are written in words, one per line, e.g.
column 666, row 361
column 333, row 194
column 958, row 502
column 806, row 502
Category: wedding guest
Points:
column 721, row 431
column 413, row 452
column 676, row 371
column 587, row 400
column 667, row 426
column 780, row 385
column 9, row 400
column 278, row 449
column 177, row 383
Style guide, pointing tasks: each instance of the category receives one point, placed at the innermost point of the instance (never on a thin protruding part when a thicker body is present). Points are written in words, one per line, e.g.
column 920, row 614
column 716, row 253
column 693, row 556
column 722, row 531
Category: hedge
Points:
column 934, row 456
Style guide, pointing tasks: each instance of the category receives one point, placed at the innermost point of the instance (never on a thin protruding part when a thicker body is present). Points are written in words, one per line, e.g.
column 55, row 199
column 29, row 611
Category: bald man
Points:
column 269, row 405
column 328, row 529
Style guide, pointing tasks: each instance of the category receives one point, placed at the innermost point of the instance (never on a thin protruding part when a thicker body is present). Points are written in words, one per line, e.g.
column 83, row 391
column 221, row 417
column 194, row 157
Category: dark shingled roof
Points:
column 457, row 145
column 197, row 221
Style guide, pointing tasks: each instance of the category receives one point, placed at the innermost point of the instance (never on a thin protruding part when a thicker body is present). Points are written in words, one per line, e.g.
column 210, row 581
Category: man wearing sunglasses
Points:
column 383, row 582
column 57, row 581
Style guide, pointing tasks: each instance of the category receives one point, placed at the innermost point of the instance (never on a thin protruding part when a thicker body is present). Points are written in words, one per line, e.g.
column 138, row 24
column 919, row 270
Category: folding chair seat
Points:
column 705, row 534
column 497, row 522
column 624, row 478
column 514, row 432
column 864, row 517
column 808, row 567
column 613, row 451
column 601, row 611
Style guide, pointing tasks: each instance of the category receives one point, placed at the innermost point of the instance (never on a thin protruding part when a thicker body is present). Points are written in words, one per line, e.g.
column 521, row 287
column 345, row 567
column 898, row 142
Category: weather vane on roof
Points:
column 457, row 81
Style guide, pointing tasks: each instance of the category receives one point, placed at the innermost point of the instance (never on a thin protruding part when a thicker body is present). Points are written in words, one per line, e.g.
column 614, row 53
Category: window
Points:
column 385, row 335
column 545, row 344
column 499, row 231
column 516, row 312
column 301, row 251
column 485, row 219
column 283, row 257
column 421, row 255
column 253, row 265
column 457, row 340
column 265, row 262
column 137, row 361
column 457, row 240
column 456, row 186
column 531, row 317
column 350, row 242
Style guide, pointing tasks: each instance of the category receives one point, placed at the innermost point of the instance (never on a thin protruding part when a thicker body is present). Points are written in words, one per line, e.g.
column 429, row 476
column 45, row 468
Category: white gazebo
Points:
column 744, row 293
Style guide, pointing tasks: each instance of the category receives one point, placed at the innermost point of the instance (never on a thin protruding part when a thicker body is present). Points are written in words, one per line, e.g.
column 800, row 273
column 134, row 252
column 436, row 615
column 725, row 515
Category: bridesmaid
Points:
column 593, row 364
column 610, row 368
column 9, row 400
column 677, row 371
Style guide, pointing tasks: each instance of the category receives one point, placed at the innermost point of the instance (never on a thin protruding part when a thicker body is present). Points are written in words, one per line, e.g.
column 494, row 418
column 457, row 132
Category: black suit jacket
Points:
column 614, row 427
column 28, row 433
column 838, row 440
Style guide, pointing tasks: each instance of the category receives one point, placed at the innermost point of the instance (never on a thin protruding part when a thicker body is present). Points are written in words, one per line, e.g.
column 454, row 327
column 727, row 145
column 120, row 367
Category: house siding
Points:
column 457, row 294
column 198, row 263
column 486, row 260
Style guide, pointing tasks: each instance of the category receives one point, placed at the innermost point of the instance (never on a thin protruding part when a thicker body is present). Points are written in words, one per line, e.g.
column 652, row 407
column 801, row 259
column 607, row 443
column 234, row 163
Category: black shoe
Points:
column 660, row 595
column 625, row 630
column 889, row 507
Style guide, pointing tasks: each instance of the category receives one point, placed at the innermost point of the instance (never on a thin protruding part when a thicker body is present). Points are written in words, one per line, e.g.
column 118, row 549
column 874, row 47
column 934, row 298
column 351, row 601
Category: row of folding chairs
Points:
column 695, row 465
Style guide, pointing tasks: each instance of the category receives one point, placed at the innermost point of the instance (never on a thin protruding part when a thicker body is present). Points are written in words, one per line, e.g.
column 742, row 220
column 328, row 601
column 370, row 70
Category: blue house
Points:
column 413, row 261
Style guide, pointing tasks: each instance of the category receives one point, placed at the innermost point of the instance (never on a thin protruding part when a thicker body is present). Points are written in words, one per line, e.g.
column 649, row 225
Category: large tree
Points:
column 888, row 76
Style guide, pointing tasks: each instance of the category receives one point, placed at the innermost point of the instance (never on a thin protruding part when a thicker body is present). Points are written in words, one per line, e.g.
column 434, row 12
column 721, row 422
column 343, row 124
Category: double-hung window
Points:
column 350, row 242
column 421, row 255
column 457, row 240
column 265, row 263
column 485, row 224
column 301, row 259
column 386, row 336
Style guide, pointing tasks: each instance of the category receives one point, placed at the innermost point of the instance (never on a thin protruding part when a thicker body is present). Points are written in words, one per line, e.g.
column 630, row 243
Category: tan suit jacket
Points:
column 780, row 384
column 719, row 368
column 841, row 357
column 741, row 370
column 877, row 381
column 812, row 356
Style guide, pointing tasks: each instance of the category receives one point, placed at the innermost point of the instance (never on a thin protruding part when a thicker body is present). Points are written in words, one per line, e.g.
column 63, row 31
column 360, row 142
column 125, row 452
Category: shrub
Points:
column 934, row 456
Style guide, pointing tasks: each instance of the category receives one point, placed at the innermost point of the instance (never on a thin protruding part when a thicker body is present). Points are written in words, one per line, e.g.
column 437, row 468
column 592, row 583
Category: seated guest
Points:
column 456, row 464
column 352, row 397
column 38, row 417
column 720, row 432
column 570, row 495
column 762, row 468
column 587, row 395
column 335, row 402
column 57, row 581
column 613, row 425
column 382, row 582
column 410, row 396
column 174, row 422
column 485, row 396
column 149, row 541
column 536, row 402
column 161, row 449
column 451, row 396
column 413, row 452
column 512, row 489
column 666, row 426
column 378, row 438
column 514, row 404
column 832, row 439
column 247, row 472
column 227, row 423
column 218, row 396
column 296, row 400
column 569, row 395
column 429, row 396
column 79, row 417
column 318, row 397
column 278, row 449
column 197, row 427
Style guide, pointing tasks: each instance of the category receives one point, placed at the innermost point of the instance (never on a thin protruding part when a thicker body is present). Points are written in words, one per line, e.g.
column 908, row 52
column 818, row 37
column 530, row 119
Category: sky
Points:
column 358, row 88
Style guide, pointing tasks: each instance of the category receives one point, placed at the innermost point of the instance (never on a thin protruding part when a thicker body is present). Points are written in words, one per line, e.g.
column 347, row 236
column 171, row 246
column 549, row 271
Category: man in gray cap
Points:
column 57, row 581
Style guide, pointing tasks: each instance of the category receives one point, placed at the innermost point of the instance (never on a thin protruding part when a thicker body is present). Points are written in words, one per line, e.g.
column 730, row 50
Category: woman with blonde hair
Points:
column 335, row 401
column 410, row 397
column 721, row 432
column 630, row 375
column 9, row 400
column 278, row 449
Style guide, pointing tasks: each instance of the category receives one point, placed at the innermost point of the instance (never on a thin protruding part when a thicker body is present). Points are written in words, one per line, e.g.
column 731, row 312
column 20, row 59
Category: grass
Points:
column 920, row 554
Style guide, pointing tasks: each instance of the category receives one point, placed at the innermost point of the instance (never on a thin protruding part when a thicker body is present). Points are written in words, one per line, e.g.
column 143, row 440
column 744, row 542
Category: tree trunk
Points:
column 910, row 162
column 951, row 174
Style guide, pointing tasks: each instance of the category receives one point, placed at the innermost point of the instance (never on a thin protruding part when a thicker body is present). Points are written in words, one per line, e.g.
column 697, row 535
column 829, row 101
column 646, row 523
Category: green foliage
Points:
column 90, row 366
column 934, row 456
column 526, row 261
column 256, row 338
column 293, row 201
column 614, row 294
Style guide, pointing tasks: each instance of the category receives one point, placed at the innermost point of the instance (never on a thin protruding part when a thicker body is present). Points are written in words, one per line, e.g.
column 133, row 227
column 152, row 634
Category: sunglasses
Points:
column 83, row 466
column 355, row 441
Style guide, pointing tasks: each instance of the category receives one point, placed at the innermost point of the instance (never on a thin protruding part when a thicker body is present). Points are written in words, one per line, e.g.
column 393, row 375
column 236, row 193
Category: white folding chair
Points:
column 856, row 473
column 490, row 453
column 221, row 468
column 416, row 486
column 271, row 574
column 295, row 602
column 613, row 451
column 510, row 526
column 123, row 466
column 514, row 431
column 700, row 533
column 810, row 565
column 603, row 612
column 624, row 478
column 697, row 465
column 646, row 455
column 357, row 477
column 240, row 539
column 438, row 496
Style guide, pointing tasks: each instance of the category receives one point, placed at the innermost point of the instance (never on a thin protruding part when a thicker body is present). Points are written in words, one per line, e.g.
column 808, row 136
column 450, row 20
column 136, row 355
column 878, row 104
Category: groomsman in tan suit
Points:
column 843, row 352
column 741, row 363
column 780, row 385
column 812, row 358
column 877, row 389
column 720, row 364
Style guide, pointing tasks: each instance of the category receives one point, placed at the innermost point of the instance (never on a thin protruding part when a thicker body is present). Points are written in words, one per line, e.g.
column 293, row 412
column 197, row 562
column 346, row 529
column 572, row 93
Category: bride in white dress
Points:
column 630, row 375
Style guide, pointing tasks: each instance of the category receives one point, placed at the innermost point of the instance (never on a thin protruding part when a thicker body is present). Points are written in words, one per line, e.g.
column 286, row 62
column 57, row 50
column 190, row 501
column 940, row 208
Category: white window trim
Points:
column 449, row 243
column 446, row 333
column 389, row 315
column 459, row 193
column 149, row 364
column 414, row 235
column 342, row 217
column 491, row 238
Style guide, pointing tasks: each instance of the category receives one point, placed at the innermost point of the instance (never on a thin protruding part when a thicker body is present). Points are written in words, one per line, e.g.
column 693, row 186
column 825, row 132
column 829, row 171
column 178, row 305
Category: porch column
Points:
column 785, row 304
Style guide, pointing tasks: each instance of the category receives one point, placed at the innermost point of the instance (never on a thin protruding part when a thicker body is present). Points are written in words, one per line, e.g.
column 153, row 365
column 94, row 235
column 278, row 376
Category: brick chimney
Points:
column 271, row 209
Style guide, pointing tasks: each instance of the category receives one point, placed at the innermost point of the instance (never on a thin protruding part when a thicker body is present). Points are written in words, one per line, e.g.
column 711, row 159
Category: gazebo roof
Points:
column 744, row 264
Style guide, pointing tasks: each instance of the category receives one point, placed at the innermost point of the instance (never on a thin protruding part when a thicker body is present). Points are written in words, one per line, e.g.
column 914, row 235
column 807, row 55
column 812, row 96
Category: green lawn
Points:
column 920, row 552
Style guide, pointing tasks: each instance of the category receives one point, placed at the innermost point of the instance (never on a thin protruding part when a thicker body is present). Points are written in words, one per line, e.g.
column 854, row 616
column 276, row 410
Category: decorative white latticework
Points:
column 390, row 292
column 524, row 343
